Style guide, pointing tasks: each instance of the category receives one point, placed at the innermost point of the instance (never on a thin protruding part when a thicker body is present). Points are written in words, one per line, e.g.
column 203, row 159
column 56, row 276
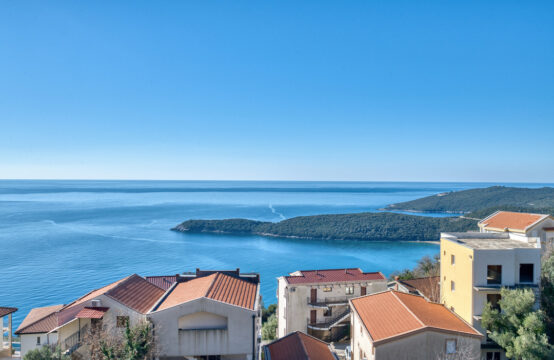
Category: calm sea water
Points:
column 61, row 239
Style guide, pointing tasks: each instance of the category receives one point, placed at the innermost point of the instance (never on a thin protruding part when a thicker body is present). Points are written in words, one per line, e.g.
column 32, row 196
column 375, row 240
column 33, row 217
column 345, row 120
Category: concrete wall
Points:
column 281, row 307
column 29, row 341
column 360, row 341
column 236, row 340
column 428, row 345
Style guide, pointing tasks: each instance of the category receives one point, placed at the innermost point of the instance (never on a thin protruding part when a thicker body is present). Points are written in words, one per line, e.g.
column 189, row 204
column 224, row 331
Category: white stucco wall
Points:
column 236, row 340
column 29, row 341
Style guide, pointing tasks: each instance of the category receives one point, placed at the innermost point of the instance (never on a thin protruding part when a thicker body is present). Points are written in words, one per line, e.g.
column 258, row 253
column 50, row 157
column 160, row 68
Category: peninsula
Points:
column 390, row 226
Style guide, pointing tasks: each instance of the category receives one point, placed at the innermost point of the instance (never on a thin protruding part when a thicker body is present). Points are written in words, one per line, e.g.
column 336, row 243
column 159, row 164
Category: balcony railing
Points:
column 330, row 300
column 73, row 341
column 327, row 324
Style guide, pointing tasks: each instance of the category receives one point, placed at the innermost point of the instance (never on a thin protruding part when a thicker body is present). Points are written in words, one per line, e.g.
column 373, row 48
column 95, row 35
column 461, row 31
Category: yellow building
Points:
column 475, row 266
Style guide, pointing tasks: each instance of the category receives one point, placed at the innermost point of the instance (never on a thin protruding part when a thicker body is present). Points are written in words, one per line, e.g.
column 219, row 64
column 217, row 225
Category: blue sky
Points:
column 295, row 90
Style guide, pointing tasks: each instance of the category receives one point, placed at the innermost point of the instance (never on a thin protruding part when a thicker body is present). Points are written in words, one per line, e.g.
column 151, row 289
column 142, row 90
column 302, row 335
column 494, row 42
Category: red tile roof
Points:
column 92, row 313
column 136, row 293
column 6, row 310
column 217, row 286
column 332, row 275
column 163, row 282
column 40, row 320
column 299, row 346
column 511, row 220
column 390, row 314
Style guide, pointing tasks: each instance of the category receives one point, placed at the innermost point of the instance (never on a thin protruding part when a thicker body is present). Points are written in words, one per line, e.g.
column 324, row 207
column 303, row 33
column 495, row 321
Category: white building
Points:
column 189, row 308
column 6, row 327
column 316, row 301
column 394, row 325
column 535, row 229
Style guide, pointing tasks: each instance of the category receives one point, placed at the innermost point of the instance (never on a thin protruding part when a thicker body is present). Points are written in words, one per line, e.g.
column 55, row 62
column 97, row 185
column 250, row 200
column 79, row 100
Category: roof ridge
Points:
column 212, row 284
column 407, row 308
column 302, row 344
column 121, row 282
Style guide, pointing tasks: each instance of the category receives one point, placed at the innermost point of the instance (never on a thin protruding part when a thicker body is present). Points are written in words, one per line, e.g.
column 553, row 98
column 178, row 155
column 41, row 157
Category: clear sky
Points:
column 296, row 90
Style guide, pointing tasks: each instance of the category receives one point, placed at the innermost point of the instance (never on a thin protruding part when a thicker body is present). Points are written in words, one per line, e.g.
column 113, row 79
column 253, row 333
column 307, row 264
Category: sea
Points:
column 62, row 239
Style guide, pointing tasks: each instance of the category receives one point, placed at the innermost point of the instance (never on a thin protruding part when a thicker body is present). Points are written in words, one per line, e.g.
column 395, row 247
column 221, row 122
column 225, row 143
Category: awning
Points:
column 92, row 313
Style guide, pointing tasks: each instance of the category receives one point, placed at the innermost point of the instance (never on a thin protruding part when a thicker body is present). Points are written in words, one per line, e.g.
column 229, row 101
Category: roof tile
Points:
column 511, row 220
column 299, row 346
column 332, row 275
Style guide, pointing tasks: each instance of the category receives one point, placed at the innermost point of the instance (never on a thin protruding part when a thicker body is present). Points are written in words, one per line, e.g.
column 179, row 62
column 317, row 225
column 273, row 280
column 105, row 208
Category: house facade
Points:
column 475, row 266
column 316, row 301
column 394, row 325
column 6, row 346
column 209, row 316
column 178, row 314
column 537, row 229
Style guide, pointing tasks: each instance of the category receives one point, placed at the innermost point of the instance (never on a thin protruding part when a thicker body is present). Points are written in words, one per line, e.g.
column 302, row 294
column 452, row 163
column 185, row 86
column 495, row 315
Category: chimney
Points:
column 396, row 285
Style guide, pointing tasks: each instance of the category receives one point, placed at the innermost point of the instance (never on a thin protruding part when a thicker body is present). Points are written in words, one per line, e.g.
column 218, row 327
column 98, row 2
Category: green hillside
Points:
column 477, row 199
column 360, row 226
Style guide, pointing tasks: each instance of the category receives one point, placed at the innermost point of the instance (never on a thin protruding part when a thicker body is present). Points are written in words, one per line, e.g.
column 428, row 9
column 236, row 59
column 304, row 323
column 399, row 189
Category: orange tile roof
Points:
column 163, row 282
column 299, row 346
column 511, row 220
column 40, row 320
column 217, row 286
column 389, row 314
column 136, row 293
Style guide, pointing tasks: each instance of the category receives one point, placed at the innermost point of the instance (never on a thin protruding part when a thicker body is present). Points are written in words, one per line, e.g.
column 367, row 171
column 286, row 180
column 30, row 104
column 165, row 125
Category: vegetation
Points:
column 45, row 353
column 426, row 267
column 134, row 343
column 477, row 199
column 547, row 292
column 269, row 328
column 360, row 226
column 268, row 311
column 517, row 327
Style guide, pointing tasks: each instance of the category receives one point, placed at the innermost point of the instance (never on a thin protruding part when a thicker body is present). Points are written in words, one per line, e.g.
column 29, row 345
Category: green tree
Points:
column 547, row 292
column 137, row 343
column 45, row 353
column 269, row 328
column 517, row 327
column 268, row 311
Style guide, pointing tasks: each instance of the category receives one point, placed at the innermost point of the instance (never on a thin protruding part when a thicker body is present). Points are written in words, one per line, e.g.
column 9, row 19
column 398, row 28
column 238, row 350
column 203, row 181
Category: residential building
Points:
column 209, row 315
column 298, row 346
column 535, row 229
column 316, row 301
column 394, row 325
column 192, row 307
column 428, row 287
column 6, row 345
column 475, row 266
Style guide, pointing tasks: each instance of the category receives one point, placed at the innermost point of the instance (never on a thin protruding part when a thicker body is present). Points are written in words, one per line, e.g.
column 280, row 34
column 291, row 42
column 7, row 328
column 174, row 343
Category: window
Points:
column 327, row 289
column 493, row 356
column 328, row 311
column 38, row 340
column 452, row 286
column 451, row 346
column 122, row 321
column 494, row 274
column 349, row 290
column 453, row 259
column 526, row 273
column 493, row 300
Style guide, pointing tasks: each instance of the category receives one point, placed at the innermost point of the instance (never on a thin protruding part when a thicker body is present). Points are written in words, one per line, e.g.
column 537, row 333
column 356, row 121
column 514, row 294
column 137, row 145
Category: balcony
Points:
column 330, row 323
column 329, row 301
column 496, row 288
